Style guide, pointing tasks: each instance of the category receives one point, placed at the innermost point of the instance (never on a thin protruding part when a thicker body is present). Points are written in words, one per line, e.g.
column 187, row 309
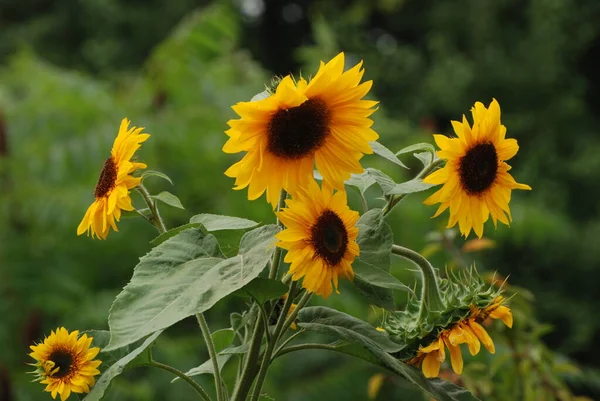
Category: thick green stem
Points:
column 431, row 298
column 277, row 254
column 299, row 347
column 250, row 364
column 266, row 359
column 213, row 355
column 182, row 376
column 155, row 219
column 395, row 199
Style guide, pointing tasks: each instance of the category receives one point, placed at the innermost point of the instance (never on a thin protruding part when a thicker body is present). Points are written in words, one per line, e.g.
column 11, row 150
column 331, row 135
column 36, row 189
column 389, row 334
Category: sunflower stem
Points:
column 395, row 199
column 299, row 347
column 286, row 342
column 213, row 355
column 277, row 254
column 249, row 370
column 155, row 219
column 431, row 299
column 279, row 328
column 182, row 376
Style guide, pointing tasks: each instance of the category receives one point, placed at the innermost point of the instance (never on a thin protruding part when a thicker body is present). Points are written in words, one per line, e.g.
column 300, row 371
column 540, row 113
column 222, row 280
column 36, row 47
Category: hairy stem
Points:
column 213, row 355
column 431, row 298
column 182, row 376
column 155, row 219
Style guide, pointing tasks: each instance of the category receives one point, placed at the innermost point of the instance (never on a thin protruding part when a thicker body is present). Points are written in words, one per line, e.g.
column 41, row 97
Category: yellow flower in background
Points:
column 324, row 122
column 112, row 190
column 66, row 363
column 467, row 331
column 476, row 182
column 320, row 238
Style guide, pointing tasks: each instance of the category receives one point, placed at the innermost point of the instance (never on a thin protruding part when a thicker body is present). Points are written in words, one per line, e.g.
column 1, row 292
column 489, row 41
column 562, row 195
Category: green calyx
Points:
column 459, row 291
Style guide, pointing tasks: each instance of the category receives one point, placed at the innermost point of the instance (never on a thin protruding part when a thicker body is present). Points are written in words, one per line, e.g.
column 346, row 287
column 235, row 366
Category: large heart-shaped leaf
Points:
column 183, row 276
column 217, row 222
column 372, row 266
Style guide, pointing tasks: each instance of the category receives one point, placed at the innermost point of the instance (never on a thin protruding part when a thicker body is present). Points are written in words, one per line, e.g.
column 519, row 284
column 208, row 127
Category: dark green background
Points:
column 70, row 70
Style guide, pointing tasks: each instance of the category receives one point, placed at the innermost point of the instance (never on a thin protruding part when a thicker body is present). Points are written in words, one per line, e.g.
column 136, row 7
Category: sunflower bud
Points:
column 468, row 301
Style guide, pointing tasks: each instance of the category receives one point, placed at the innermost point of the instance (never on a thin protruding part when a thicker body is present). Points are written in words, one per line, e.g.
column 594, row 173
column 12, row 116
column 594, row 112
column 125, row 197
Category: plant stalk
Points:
column 182, row 376
column 210, row 345
column 156, row 220
column 431, row 298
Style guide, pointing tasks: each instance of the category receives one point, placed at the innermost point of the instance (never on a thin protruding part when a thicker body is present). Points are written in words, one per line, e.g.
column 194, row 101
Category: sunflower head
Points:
column 320, row 238
column 65, row 363
column 469, row 302
column 116, row 179
column 476, row 182
column 299, row 124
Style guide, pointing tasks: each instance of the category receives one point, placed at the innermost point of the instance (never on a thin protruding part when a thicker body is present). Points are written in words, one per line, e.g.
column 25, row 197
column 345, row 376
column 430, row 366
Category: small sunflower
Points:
column 324, row 122
column 66, row 363
column 467, row 331
column 320, row 238
column 112, row 190
column 476, row 179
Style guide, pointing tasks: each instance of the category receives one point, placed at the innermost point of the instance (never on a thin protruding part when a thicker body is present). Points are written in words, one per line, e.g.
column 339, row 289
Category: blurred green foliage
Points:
column 430, row 62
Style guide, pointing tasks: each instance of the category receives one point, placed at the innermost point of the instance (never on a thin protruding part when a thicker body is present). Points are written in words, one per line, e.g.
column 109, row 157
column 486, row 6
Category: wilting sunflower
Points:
column 467, row 331
column 65, row 363
column 112, row 190
column 476, row 179
column 320, row 238
column 324, row 122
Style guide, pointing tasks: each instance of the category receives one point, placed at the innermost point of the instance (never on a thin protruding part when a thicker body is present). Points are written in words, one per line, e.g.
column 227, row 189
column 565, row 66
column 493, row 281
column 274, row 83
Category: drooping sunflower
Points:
column 467, row 331
column 324, row 122
column 476, row 182
column 65, row 363
column 320, row 237
column 112, row 190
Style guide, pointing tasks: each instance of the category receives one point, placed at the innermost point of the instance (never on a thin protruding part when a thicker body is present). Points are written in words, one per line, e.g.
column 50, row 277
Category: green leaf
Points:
column 260, row 96
column 152, row 173
column 216, row 222
column 222, row 339
column 165, row 236
column 362, row 181
column 169, row 199
column 262, row 290
column 440, row 389
column 425, row 157
column 375, row 347
column 240, row 349
column 207, row 367
column 345, row 327
column 372, row 276
column 416, row 147
column 120, row 360
column 384, row 152
column 389, row 186
column 182, row 276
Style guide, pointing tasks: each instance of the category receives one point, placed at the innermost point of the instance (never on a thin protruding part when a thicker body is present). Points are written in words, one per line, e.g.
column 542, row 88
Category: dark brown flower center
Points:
column 329, row 237
column 63, row 360
column 107, row 179
column 298, row 131
column 478, row 168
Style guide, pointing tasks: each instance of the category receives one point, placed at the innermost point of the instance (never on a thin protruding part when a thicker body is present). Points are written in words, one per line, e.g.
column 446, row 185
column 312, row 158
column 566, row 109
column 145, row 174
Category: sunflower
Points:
column 65, row 363
column 324, row 122
column 467, row 331
column 112, row 190
column 320, row 238
column 476, row 179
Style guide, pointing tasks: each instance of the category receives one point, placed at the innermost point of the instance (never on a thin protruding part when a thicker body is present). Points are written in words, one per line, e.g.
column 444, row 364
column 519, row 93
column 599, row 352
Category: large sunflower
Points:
column 65, row 363
column 112, row 190
column 323, row 122
column 467, row 331
column 476, row 179
column 320, row 238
